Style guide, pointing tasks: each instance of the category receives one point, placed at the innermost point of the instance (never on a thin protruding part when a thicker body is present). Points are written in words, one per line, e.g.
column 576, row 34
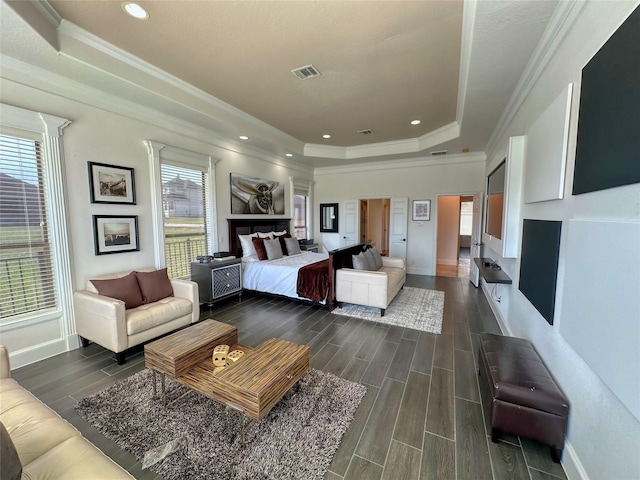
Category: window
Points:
column 26, row 273
column 184, row 213
column 300, row 215
column 466, row 218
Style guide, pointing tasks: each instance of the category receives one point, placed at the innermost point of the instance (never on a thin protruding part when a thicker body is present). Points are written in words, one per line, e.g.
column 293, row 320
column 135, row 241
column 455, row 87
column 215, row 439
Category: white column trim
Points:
column 154, row 149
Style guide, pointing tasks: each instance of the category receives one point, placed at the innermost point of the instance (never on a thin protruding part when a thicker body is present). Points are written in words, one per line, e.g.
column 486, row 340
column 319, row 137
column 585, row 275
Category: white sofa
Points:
column 47, row 446
column 106, row 321
column 372, row 288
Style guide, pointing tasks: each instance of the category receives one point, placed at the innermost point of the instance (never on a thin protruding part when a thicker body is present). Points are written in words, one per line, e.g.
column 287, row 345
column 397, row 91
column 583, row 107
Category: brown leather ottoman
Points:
column 520, row 393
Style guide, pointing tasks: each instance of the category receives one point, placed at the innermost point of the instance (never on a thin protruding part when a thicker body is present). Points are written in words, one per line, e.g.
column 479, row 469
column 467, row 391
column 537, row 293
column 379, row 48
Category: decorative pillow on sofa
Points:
column 124, row 288
column 370, row 260
column 154, row 285
column 258, row 244
column 281, row 237
column 377, row 258
column 293, row 247
column 273, row 248
column 360, row 262
column 10, row 466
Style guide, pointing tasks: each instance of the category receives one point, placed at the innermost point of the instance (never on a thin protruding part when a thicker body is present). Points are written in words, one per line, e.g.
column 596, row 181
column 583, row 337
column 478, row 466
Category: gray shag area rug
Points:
column 416, row 308
column 190, row 436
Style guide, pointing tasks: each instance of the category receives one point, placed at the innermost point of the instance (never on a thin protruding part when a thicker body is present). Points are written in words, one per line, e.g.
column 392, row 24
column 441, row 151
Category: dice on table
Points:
column 235, row 355
column 219, row 356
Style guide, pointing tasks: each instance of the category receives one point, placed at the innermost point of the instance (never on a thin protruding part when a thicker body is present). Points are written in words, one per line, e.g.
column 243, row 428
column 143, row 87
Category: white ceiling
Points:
column 225, row 65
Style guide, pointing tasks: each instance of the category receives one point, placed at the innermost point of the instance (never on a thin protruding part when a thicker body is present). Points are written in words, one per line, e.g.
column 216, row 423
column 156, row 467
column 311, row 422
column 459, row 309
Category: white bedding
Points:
column 278, row 276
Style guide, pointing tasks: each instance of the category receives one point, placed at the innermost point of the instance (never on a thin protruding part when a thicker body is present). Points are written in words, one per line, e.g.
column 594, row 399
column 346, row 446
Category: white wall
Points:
column 416, row 179
column 604, row 437
column 100, row 136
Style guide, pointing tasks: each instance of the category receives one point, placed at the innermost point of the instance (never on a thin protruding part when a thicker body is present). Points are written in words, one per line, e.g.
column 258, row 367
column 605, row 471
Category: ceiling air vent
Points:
column 368, row 131
column 439, row 152
column 306, row 72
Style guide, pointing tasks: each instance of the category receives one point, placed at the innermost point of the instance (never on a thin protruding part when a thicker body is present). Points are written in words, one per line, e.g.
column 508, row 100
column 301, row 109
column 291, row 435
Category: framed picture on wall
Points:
column 421, row 210
column 115, row 234
column 111, row 184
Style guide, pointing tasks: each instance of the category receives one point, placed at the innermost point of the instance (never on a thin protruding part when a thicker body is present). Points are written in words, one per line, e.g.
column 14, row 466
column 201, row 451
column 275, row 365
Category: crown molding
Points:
column 397, row 147
column 468, row 23
column 462, row 158
column 563, row 18
column 47, row 11
column 32, row 76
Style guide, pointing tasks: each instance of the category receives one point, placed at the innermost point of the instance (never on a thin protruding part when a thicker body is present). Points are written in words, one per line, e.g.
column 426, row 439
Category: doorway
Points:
column 455, row 220
column 374, row 223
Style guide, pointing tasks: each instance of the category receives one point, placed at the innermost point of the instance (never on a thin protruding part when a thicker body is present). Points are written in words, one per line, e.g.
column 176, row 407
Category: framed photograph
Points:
column 111, row 184
column 256, row 196
column 115, row 233
column 422, row 210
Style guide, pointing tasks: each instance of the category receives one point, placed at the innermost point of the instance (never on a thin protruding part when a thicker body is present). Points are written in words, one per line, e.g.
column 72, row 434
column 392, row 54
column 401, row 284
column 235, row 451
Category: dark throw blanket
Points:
column 313, row 281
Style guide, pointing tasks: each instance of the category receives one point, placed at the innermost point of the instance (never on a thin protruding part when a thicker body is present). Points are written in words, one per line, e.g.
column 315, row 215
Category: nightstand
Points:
column 311, row 247
column 217, row 279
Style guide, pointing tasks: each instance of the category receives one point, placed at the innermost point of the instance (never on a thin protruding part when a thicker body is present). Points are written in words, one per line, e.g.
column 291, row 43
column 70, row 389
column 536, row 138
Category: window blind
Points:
column 26, row 268
column 184, row 207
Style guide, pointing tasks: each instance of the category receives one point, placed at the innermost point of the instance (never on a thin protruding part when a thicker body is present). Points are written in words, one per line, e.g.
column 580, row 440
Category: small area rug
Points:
column 296, row 439
column 416, row 308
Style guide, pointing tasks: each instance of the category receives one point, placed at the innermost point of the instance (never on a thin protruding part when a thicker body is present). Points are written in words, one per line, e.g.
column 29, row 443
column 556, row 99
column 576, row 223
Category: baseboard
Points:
column 419, row 271
column 572, row 464
column 36, row 353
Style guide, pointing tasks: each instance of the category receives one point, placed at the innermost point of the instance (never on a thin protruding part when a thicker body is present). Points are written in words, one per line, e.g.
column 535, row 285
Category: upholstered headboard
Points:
column 241, row 226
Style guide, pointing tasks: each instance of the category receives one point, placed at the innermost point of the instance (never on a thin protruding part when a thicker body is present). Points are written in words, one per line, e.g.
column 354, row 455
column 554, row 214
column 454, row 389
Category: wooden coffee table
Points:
column 253, row 384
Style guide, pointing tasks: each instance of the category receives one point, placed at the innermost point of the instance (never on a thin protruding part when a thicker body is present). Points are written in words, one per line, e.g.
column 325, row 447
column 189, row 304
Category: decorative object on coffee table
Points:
column 220, row 355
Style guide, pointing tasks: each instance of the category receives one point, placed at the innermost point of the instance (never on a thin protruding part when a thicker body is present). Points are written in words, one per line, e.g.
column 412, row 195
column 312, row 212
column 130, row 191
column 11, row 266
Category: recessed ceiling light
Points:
column 326, row 136
column 244, row 137
column 288, row 154
column 415, row 122
column 135, row 10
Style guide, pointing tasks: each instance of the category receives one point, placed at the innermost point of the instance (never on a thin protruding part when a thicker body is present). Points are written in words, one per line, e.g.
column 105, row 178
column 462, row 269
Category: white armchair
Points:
column 372, row 288
column 105, row 320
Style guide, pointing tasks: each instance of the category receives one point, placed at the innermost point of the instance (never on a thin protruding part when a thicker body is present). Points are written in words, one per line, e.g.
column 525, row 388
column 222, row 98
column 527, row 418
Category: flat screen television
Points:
column 495, row 201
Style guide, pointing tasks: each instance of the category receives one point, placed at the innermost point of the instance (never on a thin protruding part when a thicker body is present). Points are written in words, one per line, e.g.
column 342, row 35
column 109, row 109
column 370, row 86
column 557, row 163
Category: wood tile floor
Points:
column 420, row 419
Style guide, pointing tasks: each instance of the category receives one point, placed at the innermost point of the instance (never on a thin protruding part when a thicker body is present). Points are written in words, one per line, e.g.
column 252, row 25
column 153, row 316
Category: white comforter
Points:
column 278, row 276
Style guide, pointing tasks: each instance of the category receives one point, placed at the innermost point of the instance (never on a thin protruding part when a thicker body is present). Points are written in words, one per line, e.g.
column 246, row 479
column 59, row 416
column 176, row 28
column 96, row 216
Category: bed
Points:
column 281, row 276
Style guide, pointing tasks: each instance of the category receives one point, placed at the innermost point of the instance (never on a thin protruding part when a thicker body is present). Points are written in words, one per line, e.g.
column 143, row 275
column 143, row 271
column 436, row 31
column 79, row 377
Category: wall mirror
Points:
column 329, row 217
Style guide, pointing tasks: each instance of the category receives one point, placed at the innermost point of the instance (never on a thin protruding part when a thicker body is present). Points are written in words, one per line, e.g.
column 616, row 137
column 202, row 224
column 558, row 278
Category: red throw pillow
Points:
column 282, row 244
column 124, row 288
column 154, row 285
column 258, row 244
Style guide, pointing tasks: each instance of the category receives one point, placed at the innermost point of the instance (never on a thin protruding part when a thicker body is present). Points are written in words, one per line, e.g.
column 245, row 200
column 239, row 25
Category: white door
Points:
column 350, row 223
column 398, row 227
column 476, row 239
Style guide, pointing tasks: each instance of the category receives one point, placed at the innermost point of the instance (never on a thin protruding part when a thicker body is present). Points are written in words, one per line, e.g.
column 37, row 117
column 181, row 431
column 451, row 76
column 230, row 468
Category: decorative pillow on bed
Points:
column 273, row 248
column 247, row 244
column 258, row 244
column 281, row 236
column 360, row 262
column 265, row 235
column 377, row 258
column 293, row 247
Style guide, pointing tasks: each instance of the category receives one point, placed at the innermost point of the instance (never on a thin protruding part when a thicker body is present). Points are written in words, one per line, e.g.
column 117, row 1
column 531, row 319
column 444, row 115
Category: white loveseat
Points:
column 375, row 288
column 105, row 320
column 46, row 446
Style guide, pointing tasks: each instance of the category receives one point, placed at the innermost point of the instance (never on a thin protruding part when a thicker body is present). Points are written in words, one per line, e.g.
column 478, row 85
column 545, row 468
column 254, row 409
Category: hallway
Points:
column 461, row 270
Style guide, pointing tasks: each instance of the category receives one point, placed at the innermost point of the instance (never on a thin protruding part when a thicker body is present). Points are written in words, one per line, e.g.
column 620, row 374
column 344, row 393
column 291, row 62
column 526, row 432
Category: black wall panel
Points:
column 608, row 145
column 539, row 264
